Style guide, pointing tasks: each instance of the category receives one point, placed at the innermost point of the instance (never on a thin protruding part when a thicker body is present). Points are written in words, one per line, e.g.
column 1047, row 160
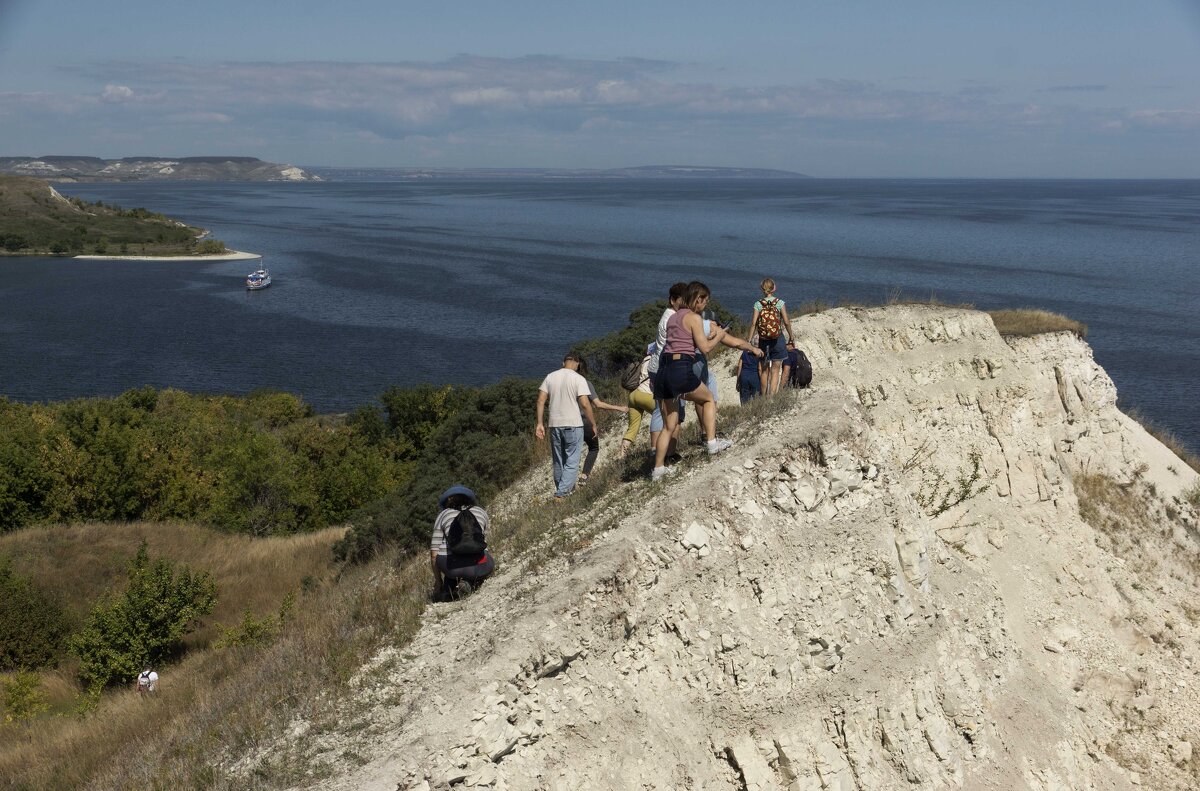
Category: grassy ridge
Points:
column 36, row 220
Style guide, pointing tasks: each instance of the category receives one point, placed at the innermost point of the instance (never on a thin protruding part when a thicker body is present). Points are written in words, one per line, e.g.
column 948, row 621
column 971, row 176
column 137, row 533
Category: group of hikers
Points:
column 673, row 370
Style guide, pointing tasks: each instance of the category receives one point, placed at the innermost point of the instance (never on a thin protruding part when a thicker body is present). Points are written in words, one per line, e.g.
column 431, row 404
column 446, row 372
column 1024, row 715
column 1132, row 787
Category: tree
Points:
column 33, row 625
column 24, row 697
column 146, row 624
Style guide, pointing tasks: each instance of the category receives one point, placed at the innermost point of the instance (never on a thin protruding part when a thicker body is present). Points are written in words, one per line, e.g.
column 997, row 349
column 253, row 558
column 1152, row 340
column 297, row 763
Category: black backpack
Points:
column 801, row 374
column 465, row 535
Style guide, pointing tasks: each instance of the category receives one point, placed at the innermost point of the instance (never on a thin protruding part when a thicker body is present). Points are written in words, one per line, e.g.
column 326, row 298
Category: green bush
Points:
column 145, row 624
column 261, row 464
column 33, row 625
column 24, row 697
column 486, row 444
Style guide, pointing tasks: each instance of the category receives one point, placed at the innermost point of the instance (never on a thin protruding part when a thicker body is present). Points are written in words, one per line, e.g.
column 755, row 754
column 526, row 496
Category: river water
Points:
column 380, row 284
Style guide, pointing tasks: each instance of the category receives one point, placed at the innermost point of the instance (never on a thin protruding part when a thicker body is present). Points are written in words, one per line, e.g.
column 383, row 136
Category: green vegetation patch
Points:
column 262, row 464
column 36, row 220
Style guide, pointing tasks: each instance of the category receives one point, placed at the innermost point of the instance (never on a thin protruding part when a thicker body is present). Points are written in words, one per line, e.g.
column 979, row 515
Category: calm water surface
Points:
column 396, row 283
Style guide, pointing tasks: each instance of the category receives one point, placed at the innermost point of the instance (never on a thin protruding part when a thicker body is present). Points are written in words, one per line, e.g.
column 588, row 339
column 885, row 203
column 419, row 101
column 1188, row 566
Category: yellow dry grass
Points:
column 210, row 697
column 1031, row 321
column 250, row 572
column 1168, row 438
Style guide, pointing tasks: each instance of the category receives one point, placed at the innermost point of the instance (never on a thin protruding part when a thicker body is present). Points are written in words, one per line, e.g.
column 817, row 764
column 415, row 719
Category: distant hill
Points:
column 35, row 219
column 641, row 172
column 94, row 169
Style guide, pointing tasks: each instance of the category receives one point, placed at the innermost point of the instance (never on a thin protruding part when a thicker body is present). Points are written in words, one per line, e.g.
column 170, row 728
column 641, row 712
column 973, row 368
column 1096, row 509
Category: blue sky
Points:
column 858, row 88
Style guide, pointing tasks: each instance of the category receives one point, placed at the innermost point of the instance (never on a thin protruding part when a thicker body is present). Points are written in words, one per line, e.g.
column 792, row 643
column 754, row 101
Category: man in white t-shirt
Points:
column 567, row 393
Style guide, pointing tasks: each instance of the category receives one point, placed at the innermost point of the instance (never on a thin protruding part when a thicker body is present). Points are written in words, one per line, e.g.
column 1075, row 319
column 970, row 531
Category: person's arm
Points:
column 735, row 342
column 737, row 372
column 585, row 406
column 596, row 402
column 540, row 431
column 437, row 573
column 753, row 324
column 787, row 323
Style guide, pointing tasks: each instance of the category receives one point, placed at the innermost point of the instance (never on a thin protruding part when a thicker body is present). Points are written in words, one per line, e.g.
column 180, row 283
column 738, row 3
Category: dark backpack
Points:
column 631, row 376
column 465, row 536
column 801, row 374
column 768, row 325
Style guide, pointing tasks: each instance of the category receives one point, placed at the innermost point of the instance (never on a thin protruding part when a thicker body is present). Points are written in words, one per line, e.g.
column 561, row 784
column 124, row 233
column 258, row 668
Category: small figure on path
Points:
column 747, row 375
column 147, row 681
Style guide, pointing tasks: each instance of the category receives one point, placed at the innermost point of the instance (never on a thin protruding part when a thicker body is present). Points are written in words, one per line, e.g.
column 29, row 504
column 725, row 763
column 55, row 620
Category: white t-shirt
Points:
column 564, row 387
column 150, row 681
column 660, row 341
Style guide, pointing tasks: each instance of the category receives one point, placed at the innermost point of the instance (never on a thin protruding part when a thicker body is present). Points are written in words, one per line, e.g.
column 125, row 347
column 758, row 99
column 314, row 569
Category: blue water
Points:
column 396, row 283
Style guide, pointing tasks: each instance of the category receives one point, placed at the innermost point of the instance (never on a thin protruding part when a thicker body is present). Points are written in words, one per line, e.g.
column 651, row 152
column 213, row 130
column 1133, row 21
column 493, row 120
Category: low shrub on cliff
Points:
column 1030, row 321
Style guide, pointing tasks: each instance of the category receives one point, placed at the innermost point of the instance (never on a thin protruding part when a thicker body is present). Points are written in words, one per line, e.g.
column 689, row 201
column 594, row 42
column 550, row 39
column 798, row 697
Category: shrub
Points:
column 1029, row 321
column 33, row 625
column 24, row 698
column 262, row 464
column 485, row 445
column 144, row 625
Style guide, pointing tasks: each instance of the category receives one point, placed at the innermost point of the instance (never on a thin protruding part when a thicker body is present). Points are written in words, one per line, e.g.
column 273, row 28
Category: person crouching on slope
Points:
column 677, row 378
column 458, row 549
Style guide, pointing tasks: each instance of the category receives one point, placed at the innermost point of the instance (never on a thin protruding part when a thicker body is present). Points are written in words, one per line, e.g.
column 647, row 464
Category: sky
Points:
column 856, row 88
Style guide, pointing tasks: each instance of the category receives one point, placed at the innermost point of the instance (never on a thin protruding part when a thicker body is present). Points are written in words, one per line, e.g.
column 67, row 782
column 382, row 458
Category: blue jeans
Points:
column 565, row 447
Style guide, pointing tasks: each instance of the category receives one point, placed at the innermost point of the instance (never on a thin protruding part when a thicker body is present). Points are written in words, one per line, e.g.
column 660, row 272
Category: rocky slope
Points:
column 93, row 169
column 887, row 586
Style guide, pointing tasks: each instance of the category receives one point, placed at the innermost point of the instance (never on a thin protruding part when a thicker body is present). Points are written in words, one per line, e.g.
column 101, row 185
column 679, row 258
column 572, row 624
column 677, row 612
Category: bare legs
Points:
column 669, row 409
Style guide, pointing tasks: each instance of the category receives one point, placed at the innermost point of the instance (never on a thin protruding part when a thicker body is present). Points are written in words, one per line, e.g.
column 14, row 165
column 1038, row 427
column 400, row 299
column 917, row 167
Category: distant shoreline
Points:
column 232, row 255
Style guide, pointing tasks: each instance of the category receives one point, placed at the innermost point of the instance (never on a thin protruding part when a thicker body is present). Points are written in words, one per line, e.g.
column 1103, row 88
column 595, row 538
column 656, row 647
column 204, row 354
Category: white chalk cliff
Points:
column 888, row 586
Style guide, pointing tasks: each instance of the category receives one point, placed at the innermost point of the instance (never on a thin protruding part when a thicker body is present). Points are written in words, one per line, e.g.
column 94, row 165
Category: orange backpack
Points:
column 768, row 319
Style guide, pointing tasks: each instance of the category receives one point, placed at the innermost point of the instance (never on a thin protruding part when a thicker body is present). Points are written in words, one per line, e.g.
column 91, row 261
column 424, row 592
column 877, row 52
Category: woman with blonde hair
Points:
column 770, row 322
column 677, row 379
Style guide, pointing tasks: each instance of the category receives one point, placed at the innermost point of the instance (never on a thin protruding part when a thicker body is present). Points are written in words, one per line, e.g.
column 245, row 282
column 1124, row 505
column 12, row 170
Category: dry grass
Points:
column 250, row 572
column 1166, row 437
column 1021, row 321
column 213, row 699
column 1122, row 513
column 1031, row 321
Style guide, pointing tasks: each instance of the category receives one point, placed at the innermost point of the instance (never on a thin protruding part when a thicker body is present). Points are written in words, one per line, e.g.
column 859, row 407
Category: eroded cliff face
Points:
column 889, row 586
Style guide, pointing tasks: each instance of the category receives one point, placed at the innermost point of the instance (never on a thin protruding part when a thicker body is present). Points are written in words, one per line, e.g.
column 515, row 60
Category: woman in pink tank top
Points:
column 676, row 378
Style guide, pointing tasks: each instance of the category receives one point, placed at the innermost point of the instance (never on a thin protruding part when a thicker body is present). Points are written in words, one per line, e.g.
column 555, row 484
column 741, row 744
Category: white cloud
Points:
column 116, row 94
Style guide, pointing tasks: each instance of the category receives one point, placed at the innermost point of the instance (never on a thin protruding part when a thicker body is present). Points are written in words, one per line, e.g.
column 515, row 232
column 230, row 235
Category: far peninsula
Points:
column 35, row 219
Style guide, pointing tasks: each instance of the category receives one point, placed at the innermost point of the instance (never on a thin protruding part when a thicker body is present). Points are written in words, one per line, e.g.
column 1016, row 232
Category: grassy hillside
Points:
column 254, row 575
column 36, row 220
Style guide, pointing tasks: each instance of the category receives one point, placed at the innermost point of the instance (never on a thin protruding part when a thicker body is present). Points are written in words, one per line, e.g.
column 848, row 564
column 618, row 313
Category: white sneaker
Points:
column 718, row 445
column 658, row 473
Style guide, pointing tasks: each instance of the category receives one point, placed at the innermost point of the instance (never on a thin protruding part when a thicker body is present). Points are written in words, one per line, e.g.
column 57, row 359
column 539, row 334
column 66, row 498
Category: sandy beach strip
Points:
column 232, row 255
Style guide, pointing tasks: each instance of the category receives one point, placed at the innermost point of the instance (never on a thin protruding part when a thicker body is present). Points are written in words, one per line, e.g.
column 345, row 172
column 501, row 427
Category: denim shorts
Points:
column 675, row 377
column 774, row 349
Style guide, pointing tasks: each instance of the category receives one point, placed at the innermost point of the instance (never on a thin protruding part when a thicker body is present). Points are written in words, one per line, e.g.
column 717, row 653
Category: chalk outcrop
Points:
column 888, row 586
